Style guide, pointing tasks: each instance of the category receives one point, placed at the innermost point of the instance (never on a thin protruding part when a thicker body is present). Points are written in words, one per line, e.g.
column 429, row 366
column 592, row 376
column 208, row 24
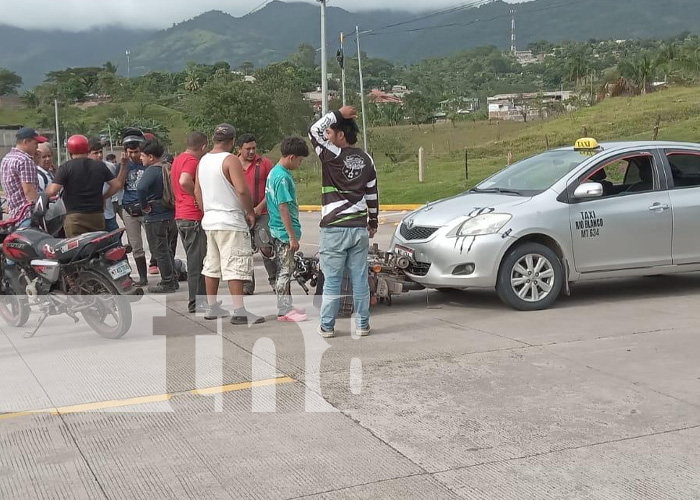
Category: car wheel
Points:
column 531, row 277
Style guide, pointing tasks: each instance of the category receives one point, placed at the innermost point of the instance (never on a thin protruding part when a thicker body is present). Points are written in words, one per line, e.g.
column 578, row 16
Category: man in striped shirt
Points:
column 350, row 215
column 19, row 175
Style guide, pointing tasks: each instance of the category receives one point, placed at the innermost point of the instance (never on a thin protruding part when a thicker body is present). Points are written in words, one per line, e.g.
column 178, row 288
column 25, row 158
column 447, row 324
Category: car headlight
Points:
column 483, row 224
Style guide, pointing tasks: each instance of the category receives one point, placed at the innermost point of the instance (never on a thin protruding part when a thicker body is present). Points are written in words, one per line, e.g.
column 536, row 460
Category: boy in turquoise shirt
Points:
column 285, row 229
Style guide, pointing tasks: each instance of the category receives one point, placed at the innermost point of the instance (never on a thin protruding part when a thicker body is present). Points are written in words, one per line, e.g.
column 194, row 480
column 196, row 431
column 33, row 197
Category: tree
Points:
column 30, row 99
column 243, row 105
column 192, row 83
column 577, row 67
column 110, row 67
column 639, row 71
column 75, row 83
column 419, row 108
column 246, row 68
column 10, row 81
column 304, row 57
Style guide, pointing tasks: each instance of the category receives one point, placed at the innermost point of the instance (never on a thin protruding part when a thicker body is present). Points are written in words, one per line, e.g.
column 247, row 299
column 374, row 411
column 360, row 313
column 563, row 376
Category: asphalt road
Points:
column 452, row 396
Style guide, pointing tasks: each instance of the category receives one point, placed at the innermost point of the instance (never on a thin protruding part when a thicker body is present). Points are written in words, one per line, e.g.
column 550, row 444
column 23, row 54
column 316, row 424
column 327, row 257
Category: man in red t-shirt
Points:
column 256, row 169
column 188, row 217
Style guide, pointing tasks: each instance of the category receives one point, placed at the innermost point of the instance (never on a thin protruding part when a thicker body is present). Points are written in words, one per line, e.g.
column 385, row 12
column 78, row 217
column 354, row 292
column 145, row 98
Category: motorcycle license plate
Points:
column 402, row 251
column 119, row 270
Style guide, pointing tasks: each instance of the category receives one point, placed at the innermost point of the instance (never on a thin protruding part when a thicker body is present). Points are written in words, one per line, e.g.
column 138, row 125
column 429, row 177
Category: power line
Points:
column 430, row 15
column 474, row 21
column 260, row 6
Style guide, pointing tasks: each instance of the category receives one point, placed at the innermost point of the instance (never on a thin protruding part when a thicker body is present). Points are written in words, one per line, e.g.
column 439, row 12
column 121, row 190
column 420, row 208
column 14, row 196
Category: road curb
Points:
column 384, row 208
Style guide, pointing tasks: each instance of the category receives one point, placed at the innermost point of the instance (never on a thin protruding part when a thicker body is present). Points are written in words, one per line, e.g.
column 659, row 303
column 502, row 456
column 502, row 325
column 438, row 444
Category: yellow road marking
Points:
column 158, row 398
column 384, row 208
column 240, row 387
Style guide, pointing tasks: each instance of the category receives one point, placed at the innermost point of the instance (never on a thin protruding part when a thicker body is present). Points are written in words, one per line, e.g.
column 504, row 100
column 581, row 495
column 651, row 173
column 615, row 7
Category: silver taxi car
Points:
column 586, row 212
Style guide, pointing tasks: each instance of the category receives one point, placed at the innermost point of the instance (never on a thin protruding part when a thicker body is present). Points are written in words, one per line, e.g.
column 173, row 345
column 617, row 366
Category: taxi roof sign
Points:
column 587, row 144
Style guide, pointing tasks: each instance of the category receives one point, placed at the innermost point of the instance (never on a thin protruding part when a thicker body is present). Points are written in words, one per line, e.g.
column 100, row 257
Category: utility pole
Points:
column 513, row 45
column 362, row 88
column 128, row 63
column 58, row 137
column 324, row 59
column 341, row 61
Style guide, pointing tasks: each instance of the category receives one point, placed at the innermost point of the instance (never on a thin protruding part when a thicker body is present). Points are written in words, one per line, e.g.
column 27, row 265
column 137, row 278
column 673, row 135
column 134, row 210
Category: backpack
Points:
column 168, row 199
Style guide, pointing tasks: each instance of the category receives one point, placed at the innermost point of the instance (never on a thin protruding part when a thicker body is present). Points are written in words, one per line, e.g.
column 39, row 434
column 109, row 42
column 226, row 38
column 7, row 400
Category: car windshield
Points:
column 533, row 175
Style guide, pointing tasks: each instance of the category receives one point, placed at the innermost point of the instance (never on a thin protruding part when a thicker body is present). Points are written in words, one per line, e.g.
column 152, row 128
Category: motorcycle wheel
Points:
column 14, row 309
column 111, row 316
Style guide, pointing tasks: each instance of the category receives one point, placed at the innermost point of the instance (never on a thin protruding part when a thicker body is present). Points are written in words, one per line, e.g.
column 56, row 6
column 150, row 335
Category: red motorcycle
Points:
column 88, row 275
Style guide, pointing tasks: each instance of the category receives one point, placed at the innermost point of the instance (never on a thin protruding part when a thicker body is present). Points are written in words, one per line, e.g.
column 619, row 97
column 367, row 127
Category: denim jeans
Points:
column 111, row 224
column 159, row 235
column 344, row 248
column 194, row 239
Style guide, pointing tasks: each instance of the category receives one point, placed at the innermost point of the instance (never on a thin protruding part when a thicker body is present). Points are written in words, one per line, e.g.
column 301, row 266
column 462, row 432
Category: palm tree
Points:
column 110, row 67
column 640, row 72
column 577, row 68
column 192, row 83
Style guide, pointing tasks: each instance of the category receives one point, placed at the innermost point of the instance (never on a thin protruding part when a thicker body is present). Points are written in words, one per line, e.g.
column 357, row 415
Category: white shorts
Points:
column 229, row 256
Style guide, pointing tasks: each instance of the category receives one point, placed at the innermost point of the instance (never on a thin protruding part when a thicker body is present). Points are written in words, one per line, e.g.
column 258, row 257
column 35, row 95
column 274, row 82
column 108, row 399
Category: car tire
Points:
column 531, row 277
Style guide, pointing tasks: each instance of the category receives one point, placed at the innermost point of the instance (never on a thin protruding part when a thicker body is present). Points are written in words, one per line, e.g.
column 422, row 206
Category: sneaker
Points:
column 326, row 334
column 292, row 317
column 161, row 288
column 246, row 319
column 197, row 309
column 363, row 332
column 153, row 270
column 215, row 311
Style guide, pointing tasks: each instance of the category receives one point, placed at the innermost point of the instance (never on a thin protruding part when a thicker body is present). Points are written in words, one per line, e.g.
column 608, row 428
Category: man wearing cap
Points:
column 222, row 193
column 134, row 222
column 19, row 175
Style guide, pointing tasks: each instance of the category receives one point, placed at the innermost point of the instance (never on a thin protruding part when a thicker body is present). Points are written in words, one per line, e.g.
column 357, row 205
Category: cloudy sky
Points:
column 76, row 15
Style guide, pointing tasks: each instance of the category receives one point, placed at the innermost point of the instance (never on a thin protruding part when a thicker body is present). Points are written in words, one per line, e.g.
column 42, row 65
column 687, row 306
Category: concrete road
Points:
column 453, row 396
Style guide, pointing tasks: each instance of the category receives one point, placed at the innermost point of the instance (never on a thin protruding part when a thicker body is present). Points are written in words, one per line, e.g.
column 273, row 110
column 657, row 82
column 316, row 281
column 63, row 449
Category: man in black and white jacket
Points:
column 349, row 215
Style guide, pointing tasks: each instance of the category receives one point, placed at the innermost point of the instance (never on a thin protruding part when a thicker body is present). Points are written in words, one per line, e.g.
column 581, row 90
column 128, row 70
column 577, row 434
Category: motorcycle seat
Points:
column 65, row 250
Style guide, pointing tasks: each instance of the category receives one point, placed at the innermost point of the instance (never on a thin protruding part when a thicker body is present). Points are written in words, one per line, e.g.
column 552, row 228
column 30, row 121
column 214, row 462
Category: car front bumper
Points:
column 444, row 262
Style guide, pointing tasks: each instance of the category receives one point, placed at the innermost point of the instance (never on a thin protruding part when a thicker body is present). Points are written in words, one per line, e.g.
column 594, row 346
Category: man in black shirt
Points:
column 82, row 180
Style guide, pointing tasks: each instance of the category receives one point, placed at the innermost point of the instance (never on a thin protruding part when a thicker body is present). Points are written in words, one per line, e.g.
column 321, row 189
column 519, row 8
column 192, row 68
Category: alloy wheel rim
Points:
column 532, row 278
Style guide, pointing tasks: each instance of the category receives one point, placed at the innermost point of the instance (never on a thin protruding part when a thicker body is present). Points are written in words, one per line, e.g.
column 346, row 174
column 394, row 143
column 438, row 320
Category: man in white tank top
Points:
column 222, row 193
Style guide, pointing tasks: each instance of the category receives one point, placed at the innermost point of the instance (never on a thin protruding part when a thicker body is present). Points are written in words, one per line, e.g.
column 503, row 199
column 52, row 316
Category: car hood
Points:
column 442, row 212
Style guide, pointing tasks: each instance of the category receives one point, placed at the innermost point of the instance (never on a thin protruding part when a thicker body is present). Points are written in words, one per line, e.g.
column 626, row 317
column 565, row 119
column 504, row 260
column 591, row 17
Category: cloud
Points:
column 78, row 15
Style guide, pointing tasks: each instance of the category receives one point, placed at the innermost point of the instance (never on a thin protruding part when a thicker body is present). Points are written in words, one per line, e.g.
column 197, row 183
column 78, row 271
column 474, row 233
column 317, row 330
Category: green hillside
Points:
column 275, row 31
column 488, row 144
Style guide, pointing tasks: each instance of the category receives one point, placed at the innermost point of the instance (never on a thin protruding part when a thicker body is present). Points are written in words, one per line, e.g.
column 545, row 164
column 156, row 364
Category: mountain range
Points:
column 274, row 32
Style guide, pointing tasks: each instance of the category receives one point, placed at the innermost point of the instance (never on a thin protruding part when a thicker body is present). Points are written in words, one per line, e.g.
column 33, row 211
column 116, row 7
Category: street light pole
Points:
column 324, row 59
column 362, row 88
column 58, row 137
column 128, row 63
column 342, row 65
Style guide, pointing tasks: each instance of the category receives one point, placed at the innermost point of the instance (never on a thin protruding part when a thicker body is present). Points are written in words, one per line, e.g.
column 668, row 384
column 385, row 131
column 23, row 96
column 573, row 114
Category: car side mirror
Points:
column 589, row 190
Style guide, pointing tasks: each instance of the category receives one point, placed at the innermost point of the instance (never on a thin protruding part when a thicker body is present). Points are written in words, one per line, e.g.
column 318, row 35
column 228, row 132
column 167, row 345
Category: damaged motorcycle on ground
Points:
column 384, row 273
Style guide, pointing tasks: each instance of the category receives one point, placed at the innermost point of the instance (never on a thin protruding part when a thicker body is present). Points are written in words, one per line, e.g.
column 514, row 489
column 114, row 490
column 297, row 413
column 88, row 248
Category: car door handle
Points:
column 659, row 206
